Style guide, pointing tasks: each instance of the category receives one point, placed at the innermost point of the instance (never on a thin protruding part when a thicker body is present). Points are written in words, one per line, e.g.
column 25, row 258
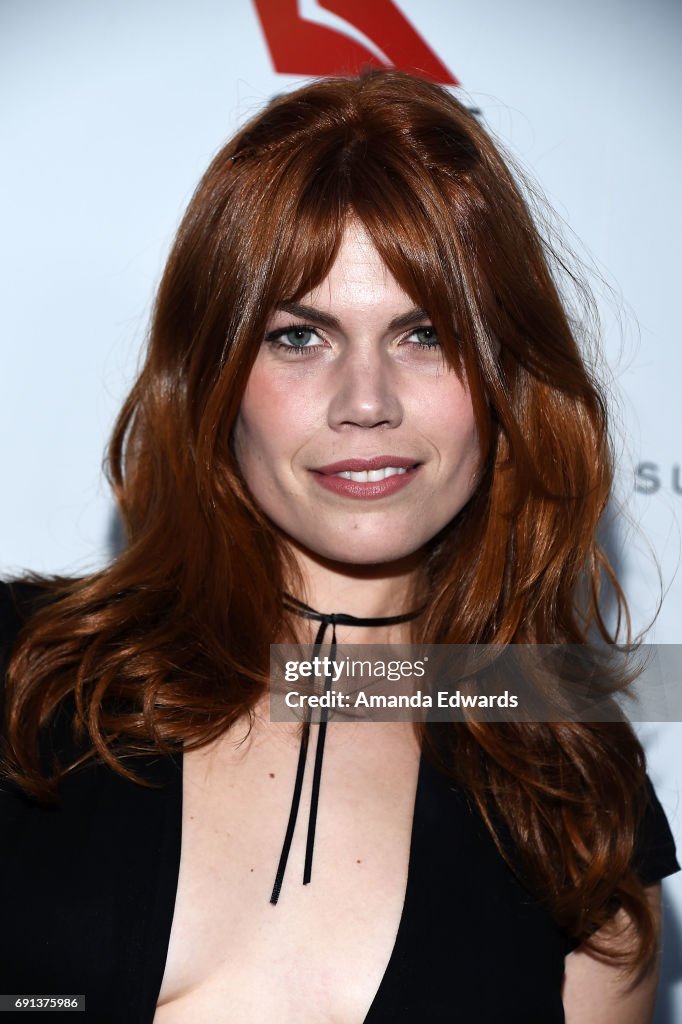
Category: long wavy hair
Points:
column 168, row 646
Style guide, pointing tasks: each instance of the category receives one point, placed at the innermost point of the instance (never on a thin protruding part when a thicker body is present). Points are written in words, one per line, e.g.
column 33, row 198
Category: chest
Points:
column 319, row 954
column 88, row 896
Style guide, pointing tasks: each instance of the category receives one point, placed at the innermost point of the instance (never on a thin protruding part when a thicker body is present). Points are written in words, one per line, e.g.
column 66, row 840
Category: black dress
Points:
column 87, row 894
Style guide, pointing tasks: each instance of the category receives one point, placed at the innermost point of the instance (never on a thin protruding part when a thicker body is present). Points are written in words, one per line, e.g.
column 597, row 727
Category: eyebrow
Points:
column 316, row 316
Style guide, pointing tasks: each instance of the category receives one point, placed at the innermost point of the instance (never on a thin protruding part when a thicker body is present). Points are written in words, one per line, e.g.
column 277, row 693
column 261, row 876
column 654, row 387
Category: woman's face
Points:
column 354, row 436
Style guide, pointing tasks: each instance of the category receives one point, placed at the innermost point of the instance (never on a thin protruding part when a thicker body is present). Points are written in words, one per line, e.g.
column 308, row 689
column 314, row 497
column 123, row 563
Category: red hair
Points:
column 169, row 644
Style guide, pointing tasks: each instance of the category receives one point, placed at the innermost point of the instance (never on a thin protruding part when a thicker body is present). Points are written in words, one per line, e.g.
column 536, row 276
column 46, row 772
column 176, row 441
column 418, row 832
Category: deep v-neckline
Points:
column 170, row 874
column 401, row 931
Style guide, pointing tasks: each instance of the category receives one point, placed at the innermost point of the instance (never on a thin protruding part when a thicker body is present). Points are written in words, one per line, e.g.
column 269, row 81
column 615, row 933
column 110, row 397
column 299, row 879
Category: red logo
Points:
column 302, row 47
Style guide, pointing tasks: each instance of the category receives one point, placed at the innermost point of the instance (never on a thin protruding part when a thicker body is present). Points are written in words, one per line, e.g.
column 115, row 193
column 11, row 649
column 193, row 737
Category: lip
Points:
column 361, row 465
column 325, row 477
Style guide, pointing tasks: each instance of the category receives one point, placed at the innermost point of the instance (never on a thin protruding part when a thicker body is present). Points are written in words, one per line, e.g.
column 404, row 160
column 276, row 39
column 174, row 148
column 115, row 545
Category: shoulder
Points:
column 598, row 992
column 18, row 600
column 655, row 854
column 10, row 614
column 22, row 597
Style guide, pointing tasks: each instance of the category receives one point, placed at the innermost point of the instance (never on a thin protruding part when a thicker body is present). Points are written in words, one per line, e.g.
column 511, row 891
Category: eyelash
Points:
column 273, row 339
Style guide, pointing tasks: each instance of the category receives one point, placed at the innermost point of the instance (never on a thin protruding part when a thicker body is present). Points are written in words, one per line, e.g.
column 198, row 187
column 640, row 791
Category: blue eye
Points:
column 427, row 337
column 295, row 338
column 298, row 336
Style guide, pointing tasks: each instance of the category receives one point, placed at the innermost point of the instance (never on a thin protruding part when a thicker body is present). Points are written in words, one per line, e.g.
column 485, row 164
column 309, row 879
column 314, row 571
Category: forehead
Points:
column 358, row 278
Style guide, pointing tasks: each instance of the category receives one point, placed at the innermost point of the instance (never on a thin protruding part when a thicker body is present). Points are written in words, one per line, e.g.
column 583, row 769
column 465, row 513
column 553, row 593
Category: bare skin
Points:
column 234, row 956
column 596, row 992
column 319, row 955
column 366, row 388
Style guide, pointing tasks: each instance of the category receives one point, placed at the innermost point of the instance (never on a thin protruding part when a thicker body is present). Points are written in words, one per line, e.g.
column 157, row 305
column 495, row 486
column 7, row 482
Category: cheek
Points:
column 253, row 427
column 470, row 439
column 456, row 434
column 261, row 414
column 272, row 423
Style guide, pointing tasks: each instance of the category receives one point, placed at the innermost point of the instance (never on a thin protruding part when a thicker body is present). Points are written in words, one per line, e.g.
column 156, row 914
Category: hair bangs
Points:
column 421, row 225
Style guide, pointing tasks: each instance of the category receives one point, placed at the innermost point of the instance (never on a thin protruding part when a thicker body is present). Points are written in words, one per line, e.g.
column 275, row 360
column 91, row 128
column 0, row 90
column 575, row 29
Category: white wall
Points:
column 111, row 111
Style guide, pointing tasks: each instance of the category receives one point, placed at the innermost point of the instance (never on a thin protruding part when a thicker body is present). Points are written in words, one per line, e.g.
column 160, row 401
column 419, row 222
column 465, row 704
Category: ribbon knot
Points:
column 325, row 619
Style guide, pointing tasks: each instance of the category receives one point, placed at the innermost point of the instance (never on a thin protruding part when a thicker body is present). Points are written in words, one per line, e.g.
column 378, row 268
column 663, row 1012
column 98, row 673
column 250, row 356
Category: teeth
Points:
column 372, row 476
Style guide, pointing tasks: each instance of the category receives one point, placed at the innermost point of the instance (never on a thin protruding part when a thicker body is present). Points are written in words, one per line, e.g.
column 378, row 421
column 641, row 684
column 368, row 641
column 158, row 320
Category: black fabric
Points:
column 87, row 894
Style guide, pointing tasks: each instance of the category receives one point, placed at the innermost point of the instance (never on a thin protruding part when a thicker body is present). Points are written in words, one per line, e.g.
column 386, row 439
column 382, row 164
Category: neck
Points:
column 365, row 591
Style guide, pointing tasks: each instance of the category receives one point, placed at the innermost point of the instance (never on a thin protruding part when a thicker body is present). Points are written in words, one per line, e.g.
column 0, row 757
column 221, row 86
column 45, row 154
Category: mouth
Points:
column 369, row 470
column 370, row 476
column 375, row 477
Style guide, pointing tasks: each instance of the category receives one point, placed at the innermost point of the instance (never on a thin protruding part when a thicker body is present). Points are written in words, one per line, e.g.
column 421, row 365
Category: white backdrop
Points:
column 112, row 110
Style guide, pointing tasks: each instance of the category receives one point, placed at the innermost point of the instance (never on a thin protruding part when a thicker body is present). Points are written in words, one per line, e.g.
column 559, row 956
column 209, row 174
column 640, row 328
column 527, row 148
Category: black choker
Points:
column 335, row 619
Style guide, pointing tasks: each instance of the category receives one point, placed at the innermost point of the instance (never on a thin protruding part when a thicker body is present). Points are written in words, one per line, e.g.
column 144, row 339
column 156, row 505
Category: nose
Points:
column 365, row 391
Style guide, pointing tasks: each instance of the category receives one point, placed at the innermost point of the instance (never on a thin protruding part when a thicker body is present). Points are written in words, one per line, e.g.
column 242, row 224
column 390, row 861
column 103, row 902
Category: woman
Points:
column 363, row 417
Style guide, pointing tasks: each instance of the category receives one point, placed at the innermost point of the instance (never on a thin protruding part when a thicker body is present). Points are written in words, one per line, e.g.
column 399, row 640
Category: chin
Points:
column 364, row 551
